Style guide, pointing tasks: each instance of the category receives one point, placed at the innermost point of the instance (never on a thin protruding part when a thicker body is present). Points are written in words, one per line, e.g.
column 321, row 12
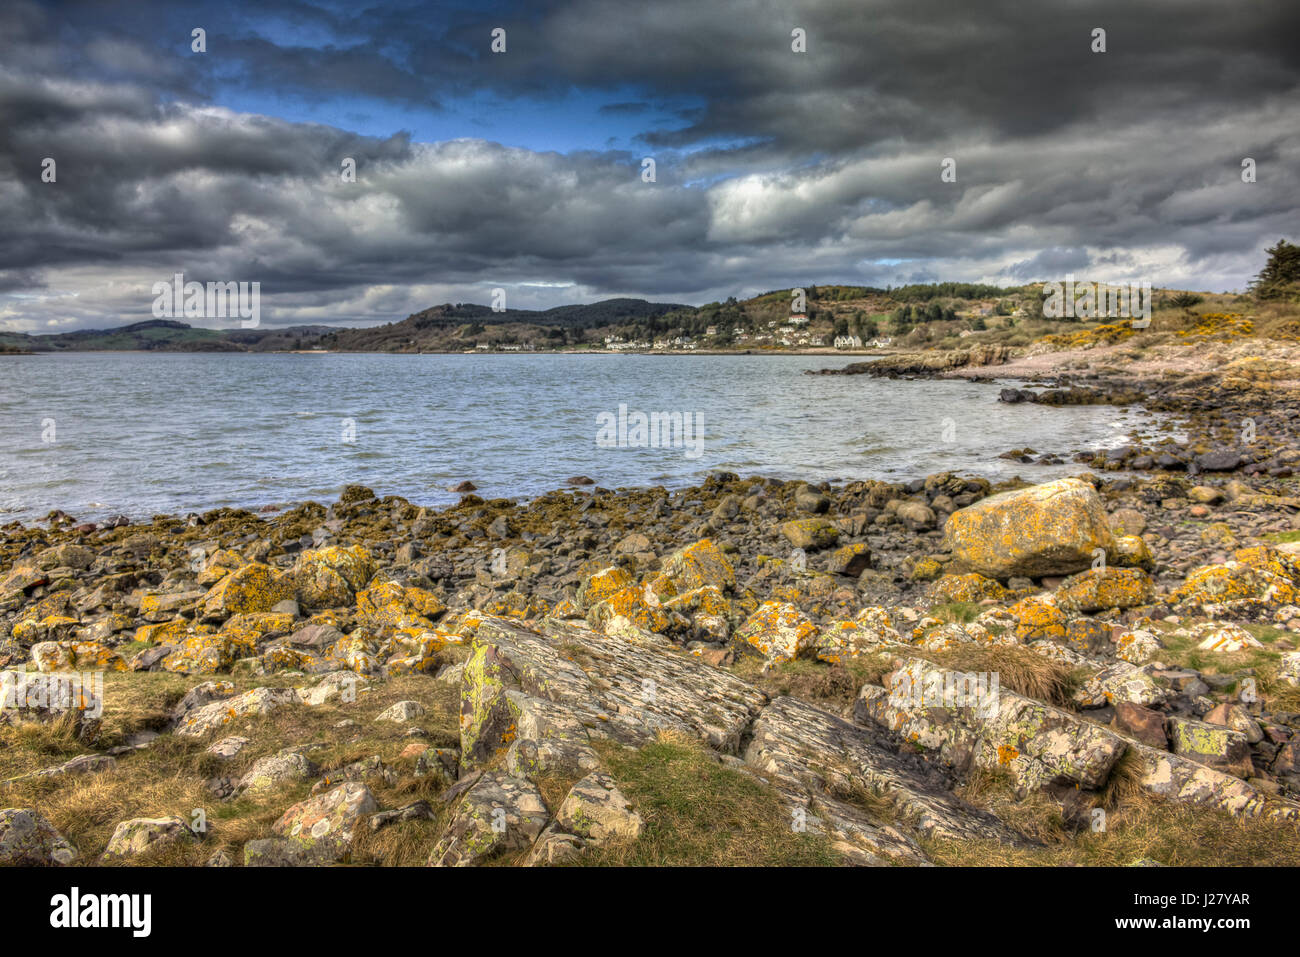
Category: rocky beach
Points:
column 1094, row 669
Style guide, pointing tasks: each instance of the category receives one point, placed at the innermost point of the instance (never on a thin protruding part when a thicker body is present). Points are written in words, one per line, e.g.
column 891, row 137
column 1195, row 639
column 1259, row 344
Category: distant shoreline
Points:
column 462, row 352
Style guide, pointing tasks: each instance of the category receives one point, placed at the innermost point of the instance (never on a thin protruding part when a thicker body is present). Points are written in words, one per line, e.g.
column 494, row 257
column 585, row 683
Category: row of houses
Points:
column 504, row 347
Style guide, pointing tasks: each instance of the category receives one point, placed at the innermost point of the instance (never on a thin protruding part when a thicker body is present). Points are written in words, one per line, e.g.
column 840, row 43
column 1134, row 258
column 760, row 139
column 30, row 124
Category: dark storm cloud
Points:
column 774, row 168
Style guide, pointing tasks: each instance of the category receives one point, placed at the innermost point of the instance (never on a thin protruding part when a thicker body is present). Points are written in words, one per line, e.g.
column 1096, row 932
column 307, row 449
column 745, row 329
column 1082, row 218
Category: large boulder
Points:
column 253, row 588
column 778, row 631
column 27, row 839
column 147, row 834
column 695, row 566
column 210, row 717
column 1049, row 529
column 497, row 814
column 276, row 770
column 320, row 830
column 1099, row 589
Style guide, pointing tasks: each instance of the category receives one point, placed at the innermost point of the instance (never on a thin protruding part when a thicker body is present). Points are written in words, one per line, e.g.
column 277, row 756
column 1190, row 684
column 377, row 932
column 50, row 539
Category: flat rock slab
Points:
column 799, row 744
column 565, row 684
column 1190, row 782
column 1036, row 742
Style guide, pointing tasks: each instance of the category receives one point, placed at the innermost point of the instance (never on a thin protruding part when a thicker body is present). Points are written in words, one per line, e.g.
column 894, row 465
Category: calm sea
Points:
column 100, row 433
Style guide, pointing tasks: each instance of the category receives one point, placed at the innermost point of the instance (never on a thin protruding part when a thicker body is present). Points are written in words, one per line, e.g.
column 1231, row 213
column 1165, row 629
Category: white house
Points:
column 848, row 342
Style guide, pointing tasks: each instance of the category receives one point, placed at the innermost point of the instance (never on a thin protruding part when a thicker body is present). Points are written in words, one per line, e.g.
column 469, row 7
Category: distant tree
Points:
column 1280, row 276
column 841, row 326
column 1033, row 304
column 978, row 324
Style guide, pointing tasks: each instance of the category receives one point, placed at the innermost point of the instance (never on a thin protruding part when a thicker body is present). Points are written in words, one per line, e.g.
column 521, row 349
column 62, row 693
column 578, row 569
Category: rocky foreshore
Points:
column 1225, row 409
column 937, row 671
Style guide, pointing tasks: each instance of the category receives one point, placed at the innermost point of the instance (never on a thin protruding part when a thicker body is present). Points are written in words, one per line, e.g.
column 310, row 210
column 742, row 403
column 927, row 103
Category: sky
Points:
column 524, row 170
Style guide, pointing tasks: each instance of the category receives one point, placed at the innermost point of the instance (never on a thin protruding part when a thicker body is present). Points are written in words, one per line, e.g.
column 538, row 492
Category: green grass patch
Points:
column 956, row 612
column 699, row 812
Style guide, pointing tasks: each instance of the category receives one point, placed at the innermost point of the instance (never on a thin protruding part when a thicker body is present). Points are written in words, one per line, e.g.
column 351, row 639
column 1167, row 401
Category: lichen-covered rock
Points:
column 344, row 685
column 402, row 712
column 1275, row 561
column 171, row 632
column 357, row 651
column 146, row 834
column 159, row 607
column 252, row 629
column 707, row 600
column 869, row 631
column 527, row 694
column 28, row 840
column 496, row 814
column 1289, row 668
column 636, row 604
column 76, row 656
column 1235, row 585
column 207, row 654
column 1120, row 682
column 420, row 653
column 968, row 721
column 67, row 555
column 353, row 563
column 1237, row 718
column 275, row 770
column 1131, row 552
column 217, row 714
column 810, row 534
column 388, row 607
column 1048, row 529
column 321, row 829
column 595, row 813
column 1038, row 618
column 1224, row 638
column 49, row 628
column 811, row 755
column 47, row 698
column 778, row 631
column 218, row 565
column 21, row 578
column 1191, row 782
column 252, row 588
column 83, row 764
column 603, row 584
column 851, row 560
column 1217, row 746
column 971, row 587
column 1137, row 646
column 1099, row 589
column 695, row 566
